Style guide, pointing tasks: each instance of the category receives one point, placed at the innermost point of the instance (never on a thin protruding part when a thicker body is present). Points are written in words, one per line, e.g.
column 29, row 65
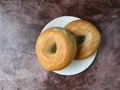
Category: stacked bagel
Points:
column 56, row 47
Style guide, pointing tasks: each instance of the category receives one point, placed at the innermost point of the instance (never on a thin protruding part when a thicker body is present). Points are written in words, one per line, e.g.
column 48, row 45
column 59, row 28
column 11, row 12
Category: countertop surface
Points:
column 21, row 22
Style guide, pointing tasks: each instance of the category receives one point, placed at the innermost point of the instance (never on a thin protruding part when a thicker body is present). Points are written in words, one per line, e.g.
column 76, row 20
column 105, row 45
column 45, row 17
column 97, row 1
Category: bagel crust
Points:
column 91, row 37
column 65, row 48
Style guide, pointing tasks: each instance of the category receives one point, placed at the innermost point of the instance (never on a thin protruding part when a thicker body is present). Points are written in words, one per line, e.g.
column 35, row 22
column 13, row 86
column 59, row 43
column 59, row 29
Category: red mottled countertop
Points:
column 21, row 21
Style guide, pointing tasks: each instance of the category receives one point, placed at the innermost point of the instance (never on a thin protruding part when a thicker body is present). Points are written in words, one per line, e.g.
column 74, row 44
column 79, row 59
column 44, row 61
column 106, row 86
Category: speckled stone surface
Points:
column 21, row 21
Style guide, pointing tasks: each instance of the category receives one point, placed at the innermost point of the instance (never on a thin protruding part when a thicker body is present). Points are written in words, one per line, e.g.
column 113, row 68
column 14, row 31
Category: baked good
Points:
column 55, row 48
column 87, row 37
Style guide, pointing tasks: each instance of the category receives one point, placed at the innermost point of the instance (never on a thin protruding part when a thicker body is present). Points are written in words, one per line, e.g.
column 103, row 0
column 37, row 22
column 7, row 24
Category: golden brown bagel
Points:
column 65, row 48
column 87, row 37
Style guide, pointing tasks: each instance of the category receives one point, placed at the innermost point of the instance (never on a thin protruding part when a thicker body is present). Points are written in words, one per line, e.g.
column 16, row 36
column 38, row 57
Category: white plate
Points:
column 76, row 66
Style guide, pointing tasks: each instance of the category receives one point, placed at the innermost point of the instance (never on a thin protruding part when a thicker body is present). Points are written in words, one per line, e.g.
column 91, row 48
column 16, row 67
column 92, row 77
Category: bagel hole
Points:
column 54, row 48
column 80, row 39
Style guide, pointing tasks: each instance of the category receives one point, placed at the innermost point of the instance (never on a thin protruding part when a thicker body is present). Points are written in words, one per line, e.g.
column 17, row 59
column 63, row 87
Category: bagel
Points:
column 87, row 37
column 55, row 48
